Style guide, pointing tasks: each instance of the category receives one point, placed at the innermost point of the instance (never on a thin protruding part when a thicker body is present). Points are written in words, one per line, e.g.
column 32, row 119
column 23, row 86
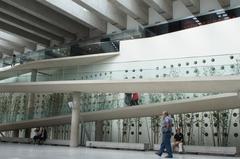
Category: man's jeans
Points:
column 166, row 143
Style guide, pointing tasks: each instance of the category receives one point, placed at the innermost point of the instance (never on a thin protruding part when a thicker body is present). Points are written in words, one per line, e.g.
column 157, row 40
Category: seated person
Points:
column 37, row 136
column 178, row 141
column 43, row 135
column 40, row 135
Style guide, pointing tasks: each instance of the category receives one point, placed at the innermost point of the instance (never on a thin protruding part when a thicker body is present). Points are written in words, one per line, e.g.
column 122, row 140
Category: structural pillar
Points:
column 74, row 137
column 30, row 107
column 98, row 130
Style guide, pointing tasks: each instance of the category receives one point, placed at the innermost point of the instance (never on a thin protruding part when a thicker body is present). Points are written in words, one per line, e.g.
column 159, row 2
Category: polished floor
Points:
column 22, row 151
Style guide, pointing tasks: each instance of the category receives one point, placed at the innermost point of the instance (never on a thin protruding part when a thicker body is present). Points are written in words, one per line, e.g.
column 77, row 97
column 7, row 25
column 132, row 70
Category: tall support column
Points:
column 98, row 130
column 30, row 107
column 74, row 137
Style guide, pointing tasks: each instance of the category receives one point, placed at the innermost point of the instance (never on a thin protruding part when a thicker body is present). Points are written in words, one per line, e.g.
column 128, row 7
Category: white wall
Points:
column 213, row 39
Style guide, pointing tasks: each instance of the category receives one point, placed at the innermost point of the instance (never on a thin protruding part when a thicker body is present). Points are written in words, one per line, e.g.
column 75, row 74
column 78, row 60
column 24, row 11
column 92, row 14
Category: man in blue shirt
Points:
column 166, row 135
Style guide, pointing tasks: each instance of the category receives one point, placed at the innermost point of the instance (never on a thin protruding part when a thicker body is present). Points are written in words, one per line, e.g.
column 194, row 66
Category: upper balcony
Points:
column 68, row 51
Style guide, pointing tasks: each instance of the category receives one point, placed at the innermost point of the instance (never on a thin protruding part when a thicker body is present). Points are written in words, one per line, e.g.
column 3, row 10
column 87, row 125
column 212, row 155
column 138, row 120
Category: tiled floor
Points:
column 22, row 151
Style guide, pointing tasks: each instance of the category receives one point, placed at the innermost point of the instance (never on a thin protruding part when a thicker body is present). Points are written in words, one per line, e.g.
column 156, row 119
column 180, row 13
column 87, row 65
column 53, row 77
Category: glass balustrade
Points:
column 73, row 50
column 152, row 69
column 89, row 102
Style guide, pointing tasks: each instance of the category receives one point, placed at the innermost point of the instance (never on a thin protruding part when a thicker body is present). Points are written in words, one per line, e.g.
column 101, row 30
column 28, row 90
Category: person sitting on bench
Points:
column 43, row 135
column 178, row 141
column 36, row 137
column 40, row 135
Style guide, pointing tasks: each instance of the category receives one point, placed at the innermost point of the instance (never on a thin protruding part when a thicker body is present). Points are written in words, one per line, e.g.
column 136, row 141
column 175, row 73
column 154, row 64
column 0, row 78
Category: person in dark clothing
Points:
column 178, row 141
column 13, row 60
column 37, row 136
column 40, row 135
column 43, row 135
column 128, row 98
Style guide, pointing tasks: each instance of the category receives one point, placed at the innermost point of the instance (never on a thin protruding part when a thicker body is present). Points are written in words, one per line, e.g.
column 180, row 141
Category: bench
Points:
column 57, row 142
column 117, row 145
column 228, row 151
column 16, row 140
column 29, row 140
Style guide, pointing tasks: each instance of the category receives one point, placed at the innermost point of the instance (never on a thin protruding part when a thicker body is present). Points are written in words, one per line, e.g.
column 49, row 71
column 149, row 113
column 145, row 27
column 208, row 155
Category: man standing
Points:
column 13, row 60
column 166, row 135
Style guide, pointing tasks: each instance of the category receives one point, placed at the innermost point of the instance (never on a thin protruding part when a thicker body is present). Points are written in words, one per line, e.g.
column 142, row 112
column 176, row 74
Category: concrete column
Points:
column 74, row 137
column 98, row 130
column 30, row 107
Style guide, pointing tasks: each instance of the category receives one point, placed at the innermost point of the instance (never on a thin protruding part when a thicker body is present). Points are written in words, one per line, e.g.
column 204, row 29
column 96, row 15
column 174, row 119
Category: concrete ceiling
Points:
column 54, row 22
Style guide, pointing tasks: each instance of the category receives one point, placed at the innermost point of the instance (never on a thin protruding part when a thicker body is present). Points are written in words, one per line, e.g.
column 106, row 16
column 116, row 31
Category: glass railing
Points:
column 94, row 48
column 95, row 102
column 73, row 50
column 125, row 35
column 192, row 21
column 221, row 65
column 218, row 65
column 35, row 56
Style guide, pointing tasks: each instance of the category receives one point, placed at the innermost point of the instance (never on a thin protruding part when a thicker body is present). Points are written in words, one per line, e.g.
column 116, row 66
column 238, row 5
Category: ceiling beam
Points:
column 192, row 5
column 134, row 8
column 23, row 33
column 35, row 21
column 45, row 13
column 11, row 46
column 77, row 13
column 106, row 11
column 28, row 27
column 30, row 19
column 224, row 3
column 18, row 40
column 163, row 7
